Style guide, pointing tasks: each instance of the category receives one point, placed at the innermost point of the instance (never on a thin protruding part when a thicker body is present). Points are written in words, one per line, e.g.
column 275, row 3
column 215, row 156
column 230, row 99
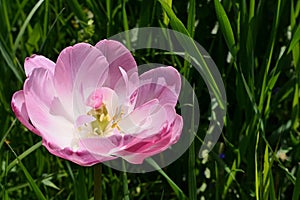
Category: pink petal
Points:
column 104, row 146
column 20, row 110
column 37, row 61
column 139, row 119
column 105, row 96
column 83, row 119
column 163, row 94
column 81, row 157
column 95, row 100
column 145, row 148
column 164, row 76
column 162, row 83
column 117, row 56
column 79, row 70
column 39, row 93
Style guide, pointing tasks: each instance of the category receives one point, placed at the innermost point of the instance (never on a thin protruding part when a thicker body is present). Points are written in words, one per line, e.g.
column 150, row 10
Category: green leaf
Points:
column 295, row 39
column 25, row 24
column 225, row 27
column 188, row 43
column 174, row 21
column 179, row 193
column 296, row 192
column 49, row 183
column 77, row 9
column 24, row 155
column 191, row 17
column 9, row 61
column 30, row 180
column 266, row 174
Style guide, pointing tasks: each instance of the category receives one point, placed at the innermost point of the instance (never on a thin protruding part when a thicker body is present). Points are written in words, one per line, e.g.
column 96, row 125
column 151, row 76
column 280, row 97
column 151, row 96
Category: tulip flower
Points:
column 92, row 106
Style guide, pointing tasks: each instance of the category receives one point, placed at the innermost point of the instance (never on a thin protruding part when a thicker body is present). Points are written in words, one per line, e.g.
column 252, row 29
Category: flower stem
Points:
column 98, row 182
column 125, row 182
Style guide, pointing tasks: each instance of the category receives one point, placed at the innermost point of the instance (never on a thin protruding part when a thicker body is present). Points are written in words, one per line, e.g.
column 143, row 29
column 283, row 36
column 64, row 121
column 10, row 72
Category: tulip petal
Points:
column 39, row 93
column 104, row 146
column 140, row 118
column 162, row 83
column 164, row 76
column 79, row 70
column 158, row 143
column 117, row 56
column 37, row 61
column 19, row 108
column 81, row 157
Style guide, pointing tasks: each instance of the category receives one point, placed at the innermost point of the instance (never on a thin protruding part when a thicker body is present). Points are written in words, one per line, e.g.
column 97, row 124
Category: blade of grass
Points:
column 32, row 183
column 191, row 30
column 195, row 53
column 191, row 18
column 269, row 57
column 125, row 182
column 7, row 132
column 23, row 155
column 217, row 181
column 80, row 185
column 166, row 19
column 179, row 193
column 296, row 192
column 77, row 9
column 46, row 16
column 295, row 39
column 225, row 27
column 9, row 61
column 6, row 22
column 257, row 174
column 191, row 165
column 231, row 177
column 266, row 175
column 272, row 187
column 109, row 19
column 125, row 24
column 26, row 22
column 251, row 10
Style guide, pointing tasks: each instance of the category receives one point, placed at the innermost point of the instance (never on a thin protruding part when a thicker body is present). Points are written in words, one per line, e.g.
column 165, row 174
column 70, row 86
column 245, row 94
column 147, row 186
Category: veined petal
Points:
column 106, row 96
column 104, row 146
column 79, row 70
column 117, row 56
column 80, row 156
column 39, row 93
column 161, row 83
column 139, row 149
column 37, row 61
column 19, row 108
column 148, row 91
column 139, row 119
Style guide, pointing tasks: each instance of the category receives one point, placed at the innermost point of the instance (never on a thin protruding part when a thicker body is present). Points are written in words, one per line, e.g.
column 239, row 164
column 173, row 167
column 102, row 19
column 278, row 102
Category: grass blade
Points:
column 191, row 17
column 23, row 155
column 8, row 59
column 295, row 39
column 26, row 22
column 225, row 27
column 296, row 192
column 32, row 183
column 179, row 193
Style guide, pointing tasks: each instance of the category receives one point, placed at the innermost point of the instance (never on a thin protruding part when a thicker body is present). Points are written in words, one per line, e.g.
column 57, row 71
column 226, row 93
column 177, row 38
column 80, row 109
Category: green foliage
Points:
column 255, row 45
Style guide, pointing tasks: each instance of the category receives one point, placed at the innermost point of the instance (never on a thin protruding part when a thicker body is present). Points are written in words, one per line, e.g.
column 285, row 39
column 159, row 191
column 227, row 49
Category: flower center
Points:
column 102, row 119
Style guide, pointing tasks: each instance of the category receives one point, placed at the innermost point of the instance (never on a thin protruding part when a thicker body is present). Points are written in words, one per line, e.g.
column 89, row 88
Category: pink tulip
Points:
column 91, row 106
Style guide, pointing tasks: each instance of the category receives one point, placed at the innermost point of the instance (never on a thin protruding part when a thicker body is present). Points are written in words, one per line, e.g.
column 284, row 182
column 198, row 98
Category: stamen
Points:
column 103, row 123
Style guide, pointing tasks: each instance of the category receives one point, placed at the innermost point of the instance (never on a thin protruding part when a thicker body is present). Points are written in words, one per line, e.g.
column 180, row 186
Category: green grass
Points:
column 258, row 153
